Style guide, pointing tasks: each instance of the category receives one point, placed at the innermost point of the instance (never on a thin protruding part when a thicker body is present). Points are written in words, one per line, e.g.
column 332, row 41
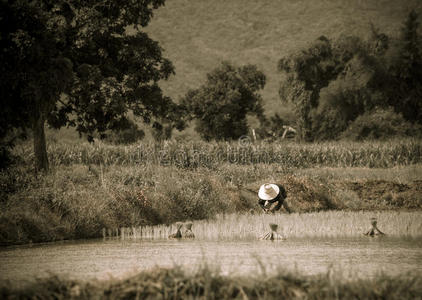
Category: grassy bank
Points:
column 78, row 202
column 78, row 198
column 205, row 283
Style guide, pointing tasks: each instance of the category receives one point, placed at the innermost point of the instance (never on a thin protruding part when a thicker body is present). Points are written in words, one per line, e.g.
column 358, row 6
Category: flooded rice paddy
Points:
column 117, row 258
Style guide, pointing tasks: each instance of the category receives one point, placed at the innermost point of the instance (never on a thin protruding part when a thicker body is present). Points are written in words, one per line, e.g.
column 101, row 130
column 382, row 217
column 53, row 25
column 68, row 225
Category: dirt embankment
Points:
column 387, row 194
column 307, row 195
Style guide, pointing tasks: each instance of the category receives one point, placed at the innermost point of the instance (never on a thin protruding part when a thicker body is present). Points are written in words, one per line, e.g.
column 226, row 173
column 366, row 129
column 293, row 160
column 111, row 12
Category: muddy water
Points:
column 102, row 259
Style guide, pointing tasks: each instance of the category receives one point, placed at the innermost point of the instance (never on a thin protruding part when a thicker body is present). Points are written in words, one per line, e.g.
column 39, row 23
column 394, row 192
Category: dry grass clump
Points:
column 206, row 283
column 66, row 204
column 79, row 201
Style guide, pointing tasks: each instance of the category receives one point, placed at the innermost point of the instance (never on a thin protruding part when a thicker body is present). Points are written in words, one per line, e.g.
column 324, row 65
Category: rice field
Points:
column 335, row 224
column 95, row 186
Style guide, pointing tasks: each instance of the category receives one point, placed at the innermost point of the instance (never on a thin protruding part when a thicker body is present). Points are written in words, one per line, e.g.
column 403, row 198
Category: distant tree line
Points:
column 342, row 88
column 349, row 87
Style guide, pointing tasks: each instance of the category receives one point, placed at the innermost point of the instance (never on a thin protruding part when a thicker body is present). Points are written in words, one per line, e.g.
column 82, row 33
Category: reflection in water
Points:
column 102, row 259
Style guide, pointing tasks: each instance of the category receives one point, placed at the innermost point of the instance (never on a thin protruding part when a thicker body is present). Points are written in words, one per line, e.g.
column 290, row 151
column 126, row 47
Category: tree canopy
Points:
column 85, row 64
column 333, row 82
column 221, row 105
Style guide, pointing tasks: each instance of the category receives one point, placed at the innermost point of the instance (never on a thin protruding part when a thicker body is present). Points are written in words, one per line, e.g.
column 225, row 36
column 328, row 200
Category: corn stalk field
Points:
column 201, row 154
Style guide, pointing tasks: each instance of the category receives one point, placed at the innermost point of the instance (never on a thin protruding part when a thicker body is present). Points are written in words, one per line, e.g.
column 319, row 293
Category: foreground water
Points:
column 115, row 258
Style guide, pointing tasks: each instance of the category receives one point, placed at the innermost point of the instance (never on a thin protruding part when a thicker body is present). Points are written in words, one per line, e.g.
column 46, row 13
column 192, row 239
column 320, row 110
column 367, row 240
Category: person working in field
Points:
column 272, row 197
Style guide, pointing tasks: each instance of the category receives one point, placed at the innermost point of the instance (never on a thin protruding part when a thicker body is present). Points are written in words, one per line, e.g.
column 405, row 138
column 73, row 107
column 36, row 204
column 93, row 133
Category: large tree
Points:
column 360, row 86
column 406, row 68
column 79, row 63
column 221, row 105
column 332, row 82
column 306, row 73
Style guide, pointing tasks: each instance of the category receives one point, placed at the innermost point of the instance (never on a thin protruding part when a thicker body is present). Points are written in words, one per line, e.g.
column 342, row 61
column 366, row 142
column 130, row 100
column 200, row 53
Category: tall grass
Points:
column 201, row 154
column 207, row 283
column 336, row 224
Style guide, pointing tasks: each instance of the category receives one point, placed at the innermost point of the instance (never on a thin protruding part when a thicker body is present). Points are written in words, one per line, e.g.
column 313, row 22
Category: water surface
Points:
column 115, row 258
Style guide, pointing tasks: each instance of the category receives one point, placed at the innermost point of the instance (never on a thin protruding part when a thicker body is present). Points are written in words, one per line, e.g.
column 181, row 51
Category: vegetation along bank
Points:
column 91, row 187
column 206, row 283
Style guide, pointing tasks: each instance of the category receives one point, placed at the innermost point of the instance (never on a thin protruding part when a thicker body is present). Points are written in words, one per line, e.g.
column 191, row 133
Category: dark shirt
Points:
column 274, row 204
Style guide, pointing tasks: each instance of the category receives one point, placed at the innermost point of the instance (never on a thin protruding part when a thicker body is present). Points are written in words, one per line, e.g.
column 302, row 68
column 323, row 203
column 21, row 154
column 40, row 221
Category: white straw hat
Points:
column 268, row 191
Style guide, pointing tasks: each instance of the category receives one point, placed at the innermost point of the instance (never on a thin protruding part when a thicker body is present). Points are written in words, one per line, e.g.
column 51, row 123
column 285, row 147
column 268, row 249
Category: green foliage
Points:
column 406, row 67
column 332, row 83
column 307, row 72
column 341, row 79
column 34, row 69
column 75, row 63
column 221, row 105
column 358, row 89
column 129, row 135
column 161, row 132
column 381, row 124
column 271, row 128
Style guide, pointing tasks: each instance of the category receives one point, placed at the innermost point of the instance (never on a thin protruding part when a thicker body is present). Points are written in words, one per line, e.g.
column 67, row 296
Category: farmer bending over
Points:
column 271, row 197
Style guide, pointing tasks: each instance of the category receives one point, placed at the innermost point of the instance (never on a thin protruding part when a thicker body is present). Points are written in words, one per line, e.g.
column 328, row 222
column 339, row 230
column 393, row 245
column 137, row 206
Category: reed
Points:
column 335, row 224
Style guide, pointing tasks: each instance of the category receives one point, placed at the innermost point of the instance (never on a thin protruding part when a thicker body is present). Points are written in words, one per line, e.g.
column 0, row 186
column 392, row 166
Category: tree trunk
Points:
column 40, row 148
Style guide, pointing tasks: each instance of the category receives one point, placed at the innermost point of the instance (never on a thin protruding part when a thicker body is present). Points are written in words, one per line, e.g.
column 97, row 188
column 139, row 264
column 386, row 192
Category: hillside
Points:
column 198, row 34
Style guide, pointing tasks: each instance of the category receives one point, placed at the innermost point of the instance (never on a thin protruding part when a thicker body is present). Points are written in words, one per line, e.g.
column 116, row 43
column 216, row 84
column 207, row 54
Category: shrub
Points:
column 161, row 132
column 380, row 124
column 221, row 105
column 272, row 128
column 129, row 135
column 187, row 195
